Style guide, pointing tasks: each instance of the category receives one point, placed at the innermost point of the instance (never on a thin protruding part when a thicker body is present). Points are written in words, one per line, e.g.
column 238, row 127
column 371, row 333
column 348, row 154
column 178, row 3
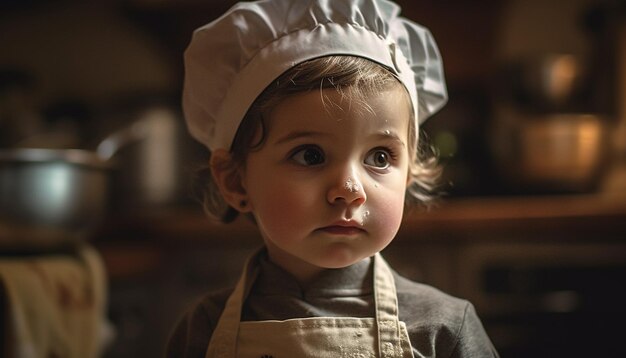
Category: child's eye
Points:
column 308, row 156
column 379, row 158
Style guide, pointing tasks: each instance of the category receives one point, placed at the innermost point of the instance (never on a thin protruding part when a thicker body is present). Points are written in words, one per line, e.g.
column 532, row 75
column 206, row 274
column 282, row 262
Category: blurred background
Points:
column 531, row 226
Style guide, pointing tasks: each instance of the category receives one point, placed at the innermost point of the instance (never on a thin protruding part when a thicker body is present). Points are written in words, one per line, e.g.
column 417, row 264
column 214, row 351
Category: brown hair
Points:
column 354, row 78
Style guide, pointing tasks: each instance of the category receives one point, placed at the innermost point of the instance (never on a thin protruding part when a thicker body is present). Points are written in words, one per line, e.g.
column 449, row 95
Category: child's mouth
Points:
column 343, row 228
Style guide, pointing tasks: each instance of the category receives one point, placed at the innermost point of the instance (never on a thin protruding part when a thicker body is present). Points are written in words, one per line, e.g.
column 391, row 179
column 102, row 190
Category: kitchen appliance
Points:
column 552, row 152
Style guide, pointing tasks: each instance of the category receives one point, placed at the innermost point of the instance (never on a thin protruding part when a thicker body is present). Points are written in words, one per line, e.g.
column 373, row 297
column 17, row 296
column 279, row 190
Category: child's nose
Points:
column 347, row 189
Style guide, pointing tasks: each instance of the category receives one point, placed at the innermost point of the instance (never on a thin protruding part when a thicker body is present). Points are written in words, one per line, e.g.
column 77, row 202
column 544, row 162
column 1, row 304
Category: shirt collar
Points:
column 353, row 280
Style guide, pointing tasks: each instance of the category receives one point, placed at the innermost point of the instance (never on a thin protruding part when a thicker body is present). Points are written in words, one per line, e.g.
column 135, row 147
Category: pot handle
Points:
column 113, row 142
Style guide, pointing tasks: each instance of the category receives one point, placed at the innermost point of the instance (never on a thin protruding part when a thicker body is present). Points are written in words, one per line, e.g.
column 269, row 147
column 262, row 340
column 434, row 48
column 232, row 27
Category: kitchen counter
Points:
column 454, row 219
column 139, row 243
column 526, row 263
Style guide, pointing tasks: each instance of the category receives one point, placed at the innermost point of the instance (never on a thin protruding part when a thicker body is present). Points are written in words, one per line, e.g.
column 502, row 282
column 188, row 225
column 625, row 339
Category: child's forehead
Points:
column 331, row 110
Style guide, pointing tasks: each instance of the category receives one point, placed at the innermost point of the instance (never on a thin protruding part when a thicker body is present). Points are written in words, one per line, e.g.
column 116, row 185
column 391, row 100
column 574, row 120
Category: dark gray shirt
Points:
column 438, row 325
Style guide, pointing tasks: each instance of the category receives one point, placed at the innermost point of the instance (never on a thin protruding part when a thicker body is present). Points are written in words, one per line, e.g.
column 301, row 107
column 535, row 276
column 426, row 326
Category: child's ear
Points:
column 229, row 179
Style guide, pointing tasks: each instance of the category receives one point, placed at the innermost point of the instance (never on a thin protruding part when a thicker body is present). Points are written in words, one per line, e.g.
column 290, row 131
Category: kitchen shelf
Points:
column 138, row 243
column 455, row 219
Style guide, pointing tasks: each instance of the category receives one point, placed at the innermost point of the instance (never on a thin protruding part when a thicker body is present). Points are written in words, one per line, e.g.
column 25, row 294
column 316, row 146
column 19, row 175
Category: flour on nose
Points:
column 352, row 186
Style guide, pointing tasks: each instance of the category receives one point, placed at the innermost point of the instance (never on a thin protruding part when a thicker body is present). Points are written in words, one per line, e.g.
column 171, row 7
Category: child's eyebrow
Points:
column 388, row 135
column 297, row 135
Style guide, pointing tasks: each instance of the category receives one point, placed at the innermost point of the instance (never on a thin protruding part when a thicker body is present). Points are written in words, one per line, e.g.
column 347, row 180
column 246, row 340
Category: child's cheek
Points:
column 394, row 214
column 385, row 214
column 282, row 209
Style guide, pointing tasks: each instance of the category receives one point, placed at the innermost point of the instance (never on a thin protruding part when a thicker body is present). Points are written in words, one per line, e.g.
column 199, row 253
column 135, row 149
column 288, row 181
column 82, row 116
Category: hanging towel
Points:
column 55, row 305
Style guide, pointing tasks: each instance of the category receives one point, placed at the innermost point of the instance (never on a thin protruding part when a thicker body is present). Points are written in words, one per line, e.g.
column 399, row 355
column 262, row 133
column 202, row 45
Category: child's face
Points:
column 327, row 188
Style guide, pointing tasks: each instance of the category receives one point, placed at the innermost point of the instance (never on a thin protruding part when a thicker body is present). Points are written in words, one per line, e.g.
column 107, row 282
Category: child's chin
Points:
column 338, row 258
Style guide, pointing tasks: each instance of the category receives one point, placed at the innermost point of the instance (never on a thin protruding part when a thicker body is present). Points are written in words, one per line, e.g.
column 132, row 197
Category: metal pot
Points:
column 50, row 197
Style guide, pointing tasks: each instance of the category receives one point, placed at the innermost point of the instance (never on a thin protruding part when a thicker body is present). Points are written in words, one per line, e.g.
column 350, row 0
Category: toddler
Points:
column 311, row 111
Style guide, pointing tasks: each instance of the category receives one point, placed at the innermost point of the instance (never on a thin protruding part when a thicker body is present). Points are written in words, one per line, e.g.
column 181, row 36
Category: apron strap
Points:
column 386, row 300
column 223, row 342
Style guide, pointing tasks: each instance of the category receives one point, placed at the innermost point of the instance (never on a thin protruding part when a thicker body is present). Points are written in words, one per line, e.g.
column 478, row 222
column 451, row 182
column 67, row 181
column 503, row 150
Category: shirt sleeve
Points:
column 440, row 325
column 472, row 340
column 190, row 338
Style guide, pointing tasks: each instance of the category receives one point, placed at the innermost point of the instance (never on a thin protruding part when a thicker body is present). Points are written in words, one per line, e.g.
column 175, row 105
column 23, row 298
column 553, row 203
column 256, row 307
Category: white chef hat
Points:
column 231, row 60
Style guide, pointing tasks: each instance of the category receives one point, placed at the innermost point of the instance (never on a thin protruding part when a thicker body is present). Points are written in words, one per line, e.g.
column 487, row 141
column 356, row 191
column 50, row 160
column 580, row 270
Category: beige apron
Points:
column 337, row 337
